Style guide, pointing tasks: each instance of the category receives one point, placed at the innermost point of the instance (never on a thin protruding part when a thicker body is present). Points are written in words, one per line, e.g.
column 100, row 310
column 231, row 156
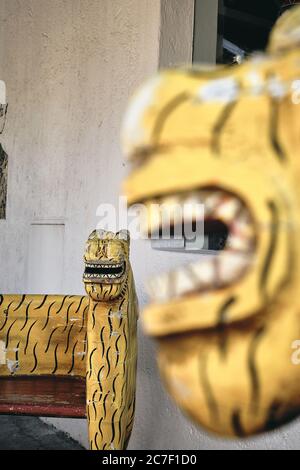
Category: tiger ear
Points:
column 123, row 235
column 93, row 235
column 286, row 32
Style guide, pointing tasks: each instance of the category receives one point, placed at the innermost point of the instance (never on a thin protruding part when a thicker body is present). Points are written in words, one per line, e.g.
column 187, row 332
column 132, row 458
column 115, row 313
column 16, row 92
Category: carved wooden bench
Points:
column 75, row 356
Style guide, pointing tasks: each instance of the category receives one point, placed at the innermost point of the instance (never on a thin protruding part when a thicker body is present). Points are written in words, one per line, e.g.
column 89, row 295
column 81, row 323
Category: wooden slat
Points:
column 43, row 396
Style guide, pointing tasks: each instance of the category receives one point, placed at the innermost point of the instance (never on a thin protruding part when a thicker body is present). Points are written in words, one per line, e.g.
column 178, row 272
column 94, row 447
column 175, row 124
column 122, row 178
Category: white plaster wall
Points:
column 176, row 32
column 70, row 66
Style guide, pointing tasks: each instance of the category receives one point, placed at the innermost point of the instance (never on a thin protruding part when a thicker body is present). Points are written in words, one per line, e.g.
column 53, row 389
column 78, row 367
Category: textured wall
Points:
column 69, row 66
column 176, row 27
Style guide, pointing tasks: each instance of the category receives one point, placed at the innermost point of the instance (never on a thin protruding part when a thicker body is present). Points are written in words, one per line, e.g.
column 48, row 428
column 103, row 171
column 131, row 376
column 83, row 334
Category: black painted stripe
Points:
column 48, row 316
column 26, row 316
column 237, row 425
column 8, row 333
column 122, row 390
column 93, row 403
column 73, row 358
column 252, row 368
column 114, row 383
column 271, row 248
column 99, row 378
column 218, row 128
column 55, row 360
column 108, row 362
column 120, row 424
column 22, row 300
column 207, row 390
column 166, row 112
column 99, row 427
column 68, row 338
column 274, row 122
column 90, row 362
column 41, row 305
column 221, row 326
column 81, row 300
column 35, row 359
column 110, row 322
column 104, row 404
column 117, row 350
column 50, row 337
column 95, row 440
column 28, row 335
column 62, row 304
column 93, row 316
column 102, row 342
column 113, row 425
column 67, row 319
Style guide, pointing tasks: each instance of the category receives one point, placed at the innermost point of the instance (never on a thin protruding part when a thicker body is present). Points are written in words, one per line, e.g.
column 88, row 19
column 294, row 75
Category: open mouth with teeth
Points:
column 228, row 250
column 104, row 273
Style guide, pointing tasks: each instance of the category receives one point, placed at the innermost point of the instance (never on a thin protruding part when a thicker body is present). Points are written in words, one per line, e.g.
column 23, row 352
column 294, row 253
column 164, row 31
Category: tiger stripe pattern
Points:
column 43, row 334
column 112, row 342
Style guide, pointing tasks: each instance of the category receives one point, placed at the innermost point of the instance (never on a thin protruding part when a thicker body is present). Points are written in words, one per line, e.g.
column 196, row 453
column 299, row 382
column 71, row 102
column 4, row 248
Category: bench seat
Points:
column 43, row 396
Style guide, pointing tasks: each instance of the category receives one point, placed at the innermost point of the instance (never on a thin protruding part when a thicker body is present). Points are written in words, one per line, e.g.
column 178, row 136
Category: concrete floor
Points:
column 28, row 433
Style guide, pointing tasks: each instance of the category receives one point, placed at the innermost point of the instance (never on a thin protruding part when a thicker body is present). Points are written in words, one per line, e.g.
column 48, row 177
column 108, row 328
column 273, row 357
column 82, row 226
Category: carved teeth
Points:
column 102, row 276
column 211, row 273
column 108, row 266
column 214, row 271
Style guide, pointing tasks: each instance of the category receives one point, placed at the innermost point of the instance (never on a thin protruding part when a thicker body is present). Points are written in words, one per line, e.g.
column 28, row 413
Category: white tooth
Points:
column 228, row 209
column 204, row 272
column 238, row 243
column 158, row 288
column 231, row 265
column 211, row 202
column 183, row 282
column 243, row 228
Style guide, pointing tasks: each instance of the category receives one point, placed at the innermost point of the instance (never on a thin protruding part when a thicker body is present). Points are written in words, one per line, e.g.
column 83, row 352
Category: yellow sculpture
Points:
column 92, row 337
column 227, row 138
column 112, row 342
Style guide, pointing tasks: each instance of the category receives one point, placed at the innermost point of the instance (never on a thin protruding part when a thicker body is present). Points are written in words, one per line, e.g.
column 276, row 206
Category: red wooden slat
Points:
column 43, row 396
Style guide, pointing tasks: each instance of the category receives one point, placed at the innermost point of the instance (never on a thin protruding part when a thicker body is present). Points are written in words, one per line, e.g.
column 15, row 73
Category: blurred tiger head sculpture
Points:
column 106, row 264
column 226, row 326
